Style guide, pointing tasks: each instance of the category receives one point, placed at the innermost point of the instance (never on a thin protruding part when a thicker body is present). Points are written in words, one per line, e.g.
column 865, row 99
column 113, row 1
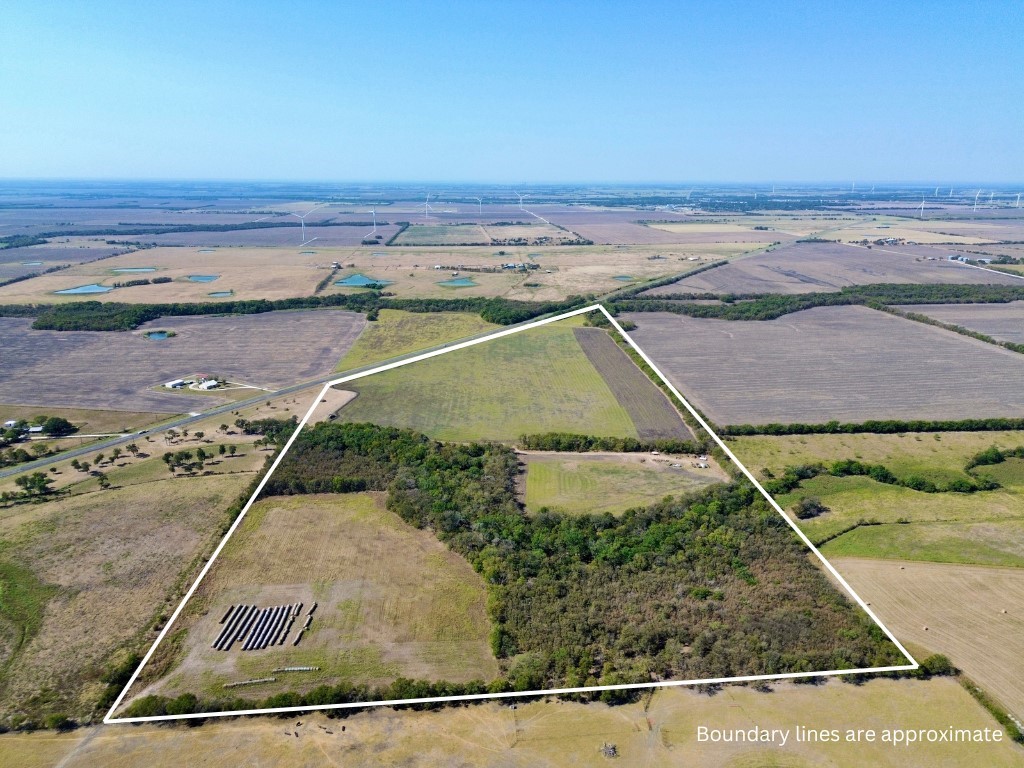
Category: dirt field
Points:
column 845, row 363
column 813, row 267
column 591, row 483
column 393, row 601
column 1004, row 322
column 109, row 370
column 535, row 381
column 657, row 732
column 962, row 607
column 443, row 234
column 652, row 413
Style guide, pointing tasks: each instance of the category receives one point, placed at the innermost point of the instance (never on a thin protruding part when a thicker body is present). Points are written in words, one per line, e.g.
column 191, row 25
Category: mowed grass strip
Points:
column 537, row 380
column 595, row 483
column 397, row 332
column 653, row 415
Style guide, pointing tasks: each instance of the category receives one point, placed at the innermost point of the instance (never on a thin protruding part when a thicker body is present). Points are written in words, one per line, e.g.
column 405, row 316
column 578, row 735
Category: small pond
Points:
column 31, row 263
column 207, row 250
column 625, row 278
column 221, row 294
column 157, row 335
column 203, row 278
column 360, row 281
column 91, row 288
column 458, row 282
column 133, row 270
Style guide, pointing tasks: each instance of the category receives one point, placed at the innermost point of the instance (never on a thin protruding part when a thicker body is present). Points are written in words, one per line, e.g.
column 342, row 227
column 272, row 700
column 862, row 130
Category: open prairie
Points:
column 538, row 380
column 392, row 601
column 93, row 570
column 815, row 267
column 247, row 273
column 396, row 332
column 1003, row 322
column 972, row 614
column 592, row 483
column 846, row 363
column 660, row 730
column 109, row 370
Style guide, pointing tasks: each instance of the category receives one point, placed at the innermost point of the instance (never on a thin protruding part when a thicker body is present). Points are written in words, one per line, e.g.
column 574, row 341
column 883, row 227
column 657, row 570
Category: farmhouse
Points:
column 10, row 423
column 206, row 386
column 176, row 384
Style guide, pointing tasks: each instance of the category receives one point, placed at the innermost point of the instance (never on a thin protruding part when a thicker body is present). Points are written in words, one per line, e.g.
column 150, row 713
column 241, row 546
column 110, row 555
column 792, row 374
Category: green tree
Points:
column 56, row 426
column 36, row 484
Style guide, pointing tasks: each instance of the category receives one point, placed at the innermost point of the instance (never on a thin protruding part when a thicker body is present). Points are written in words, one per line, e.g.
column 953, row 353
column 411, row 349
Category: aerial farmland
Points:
column 831, row 363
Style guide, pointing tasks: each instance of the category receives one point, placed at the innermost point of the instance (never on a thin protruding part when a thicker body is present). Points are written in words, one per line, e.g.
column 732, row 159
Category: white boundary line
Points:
column 109, row 718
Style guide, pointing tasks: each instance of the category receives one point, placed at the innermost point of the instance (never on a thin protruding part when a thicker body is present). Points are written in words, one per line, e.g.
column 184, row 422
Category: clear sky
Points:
column 513, row 91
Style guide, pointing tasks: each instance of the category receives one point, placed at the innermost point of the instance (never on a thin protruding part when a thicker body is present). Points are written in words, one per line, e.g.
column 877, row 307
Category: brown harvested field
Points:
column 653, row 415
column 541, row 733
column 110, row 561
column 277, row 237
column 1004, row 322
column 845, row 363
column 973, row 614
column 814, row 267
column 109, row 370
column 393, row 601
column 717, row 232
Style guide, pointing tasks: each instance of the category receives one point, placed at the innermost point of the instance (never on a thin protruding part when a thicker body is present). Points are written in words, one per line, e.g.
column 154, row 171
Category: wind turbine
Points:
column 521, row 201
column 1018, row 201
column 936, row 191
column 921, row 207
column 480, row 205
column 950, row 191
column 976, row 200
column 302, row 221
column 426, row 207
column 991, row 195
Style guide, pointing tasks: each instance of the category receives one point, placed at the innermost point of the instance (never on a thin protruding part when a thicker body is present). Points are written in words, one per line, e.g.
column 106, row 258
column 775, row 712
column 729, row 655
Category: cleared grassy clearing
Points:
column 534, row 381
column 938, row 456
column 991, row 543
column 393, row 601
column 650, row 410
column 962, row 607
column 595, row 483
column 852, row 499
column 397, row 332
column 556, row 734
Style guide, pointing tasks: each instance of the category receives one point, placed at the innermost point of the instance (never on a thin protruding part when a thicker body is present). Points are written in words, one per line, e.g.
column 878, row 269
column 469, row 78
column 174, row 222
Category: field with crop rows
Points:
column 846, row 363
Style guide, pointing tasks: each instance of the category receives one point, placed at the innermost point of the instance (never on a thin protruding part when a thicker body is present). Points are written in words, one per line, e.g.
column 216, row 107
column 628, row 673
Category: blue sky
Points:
column 505, row 92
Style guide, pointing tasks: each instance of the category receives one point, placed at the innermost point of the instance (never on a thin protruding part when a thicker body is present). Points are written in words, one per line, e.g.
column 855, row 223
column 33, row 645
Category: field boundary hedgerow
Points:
column 429, row 700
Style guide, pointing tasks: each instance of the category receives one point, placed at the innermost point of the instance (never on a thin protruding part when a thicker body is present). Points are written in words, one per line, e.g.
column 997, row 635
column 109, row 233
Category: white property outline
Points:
column 913, row 665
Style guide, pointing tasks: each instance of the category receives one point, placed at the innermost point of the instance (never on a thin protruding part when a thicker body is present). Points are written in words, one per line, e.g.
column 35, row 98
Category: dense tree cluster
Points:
column 706, row 585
